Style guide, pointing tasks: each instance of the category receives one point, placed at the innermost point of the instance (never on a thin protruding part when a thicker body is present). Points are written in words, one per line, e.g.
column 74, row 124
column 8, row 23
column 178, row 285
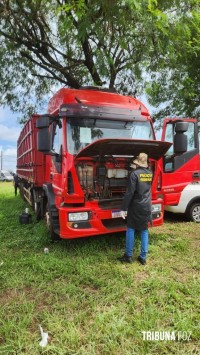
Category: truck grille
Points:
column 108, row 204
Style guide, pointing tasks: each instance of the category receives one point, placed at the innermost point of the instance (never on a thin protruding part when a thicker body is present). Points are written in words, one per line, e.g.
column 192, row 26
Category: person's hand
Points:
column 123, row 214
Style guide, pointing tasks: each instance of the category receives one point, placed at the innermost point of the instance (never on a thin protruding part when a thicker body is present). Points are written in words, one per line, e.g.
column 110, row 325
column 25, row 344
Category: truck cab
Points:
column 73, row 161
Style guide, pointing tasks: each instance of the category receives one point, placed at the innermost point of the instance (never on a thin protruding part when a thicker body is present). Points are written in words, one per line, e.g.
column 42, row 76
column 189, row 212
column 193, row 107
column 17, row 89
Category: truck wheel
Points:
column 36, row 206
column 21, row 192
column 37, row 209
column 49, row 222
column 194, row 212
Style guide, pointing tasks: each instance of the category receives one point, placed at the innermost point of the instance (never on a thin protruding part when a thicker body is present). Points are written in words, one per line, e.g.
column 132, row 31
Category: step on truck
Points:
column 73, row 161
column 181, row 167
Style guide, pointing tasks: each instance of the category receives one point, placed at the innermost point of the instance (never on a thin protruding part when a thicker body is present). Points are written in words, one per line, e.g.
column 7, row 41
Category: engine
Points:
column 103, row 180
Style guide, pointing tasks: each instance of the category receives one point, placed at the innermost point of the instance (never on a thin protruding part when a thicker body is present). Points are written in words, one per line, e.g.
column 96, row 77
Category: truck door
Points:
column 56, row 159
column 181, row 163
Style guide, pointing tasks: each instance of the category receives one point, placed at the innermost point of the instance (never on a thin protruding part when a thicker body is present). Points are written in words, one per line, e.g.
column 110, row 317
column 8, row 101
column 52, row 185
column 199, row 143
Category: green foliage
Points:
column 47, row 44
column 175, row 73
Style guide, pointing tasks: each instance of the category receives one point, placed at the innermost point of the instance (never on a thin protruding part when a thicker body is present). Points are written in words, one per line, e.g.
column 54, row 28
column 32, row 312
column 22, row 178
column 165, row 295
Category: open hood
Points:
column 128, row 147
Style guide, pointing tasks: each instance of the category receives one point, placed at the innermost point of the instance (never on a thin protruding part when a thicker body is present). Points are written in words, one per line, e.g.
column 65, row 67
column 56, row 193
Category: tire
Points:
column 49, row 222
column 36, row 206
column 37, row 210
column 194, row 212
column 21, row 191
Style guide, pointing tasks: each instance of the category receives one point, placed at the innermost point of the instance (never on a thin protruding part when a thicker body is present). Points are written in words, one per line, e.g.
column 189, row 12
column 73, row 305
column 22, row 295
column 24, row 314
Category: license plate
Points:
column 116, row 214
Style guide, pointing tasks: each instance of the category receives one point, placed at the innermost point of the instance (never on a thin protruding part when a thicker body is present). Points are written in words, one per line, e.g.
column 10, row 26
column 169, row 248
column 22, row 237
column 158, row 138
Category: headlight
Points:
column 156, row 208
column 78, row 216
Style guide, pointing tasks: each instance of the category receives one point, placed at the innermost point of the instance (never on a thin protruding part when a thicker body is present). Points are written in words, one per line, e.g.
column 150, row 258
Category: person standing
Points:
column 137, row 205
column 15, row 183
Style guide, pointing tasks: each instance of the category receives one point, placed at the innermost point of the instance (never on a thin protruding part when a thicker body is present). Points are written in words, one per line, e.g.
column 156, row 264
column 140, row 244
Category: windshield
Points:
column 81, row 132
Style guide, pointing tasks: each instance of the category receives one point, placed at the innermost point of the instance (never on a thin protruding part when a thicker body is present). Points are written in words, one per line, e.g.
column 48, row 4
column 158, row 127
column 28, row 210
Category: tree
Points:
column 115, row 43
column 175, row 74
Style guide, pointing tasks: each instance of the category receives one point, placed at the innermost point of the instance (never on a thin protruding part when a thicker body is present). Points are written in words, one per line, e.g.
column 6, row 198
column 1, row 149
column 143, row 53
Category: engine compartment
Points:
column 105, row 178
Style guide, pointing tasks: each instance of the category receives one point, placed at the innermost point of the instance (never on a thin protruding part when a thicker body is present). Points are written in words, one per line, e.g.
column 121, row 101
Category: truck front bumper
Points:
column 95, row 221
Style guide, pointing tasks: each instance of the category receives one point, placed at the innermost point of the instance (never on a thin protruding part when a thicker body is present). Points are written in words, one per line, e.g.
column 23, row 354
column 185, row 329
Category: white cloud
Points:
column 9, row 134
column 6, row 115
column 10, row 151
column 8, row 157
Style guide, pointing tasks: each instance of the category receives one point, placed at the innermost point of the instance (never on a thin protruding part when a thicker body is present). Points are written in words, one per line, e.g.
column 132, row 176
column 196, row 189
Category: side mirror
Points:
column 181, row 139
column 181, row 127
column 42, row 122
column 180, row 143
column 43, row 141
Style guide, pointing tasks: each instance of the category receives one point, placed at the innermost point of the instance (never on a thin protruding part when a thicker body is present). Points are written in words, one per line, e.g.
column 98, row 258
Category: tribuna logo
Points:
column 159, row 335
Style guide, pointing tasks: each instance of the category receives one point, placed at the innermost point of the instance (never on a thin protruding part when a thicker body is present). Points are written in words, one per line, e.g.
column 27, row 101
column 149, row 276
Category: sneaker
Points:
column 141, row 260
column 125, row 259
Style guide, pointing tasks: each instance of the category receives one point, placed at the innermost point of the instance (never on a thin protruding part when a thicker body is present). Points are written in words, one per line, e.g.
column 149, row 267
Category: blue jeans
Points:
column 130, row 237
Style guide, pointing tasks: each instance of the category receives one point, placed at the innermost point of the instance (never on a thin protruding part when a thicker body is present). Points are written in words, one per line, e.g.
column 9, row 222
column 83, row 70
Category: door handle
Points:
column 196, row 175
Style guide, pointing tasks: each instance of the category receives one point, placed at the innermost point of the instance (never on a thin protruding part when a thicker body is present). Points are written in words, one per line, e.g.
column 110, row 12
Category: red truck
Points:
column 73, row 161
column 181, row 167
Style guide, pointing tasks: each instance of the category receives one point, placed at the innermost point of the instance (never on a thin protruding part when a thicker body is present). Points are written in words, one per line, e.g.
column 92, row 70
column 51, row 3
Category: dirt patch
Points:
column 90, row 289
column 140, row 276
column 27, row 294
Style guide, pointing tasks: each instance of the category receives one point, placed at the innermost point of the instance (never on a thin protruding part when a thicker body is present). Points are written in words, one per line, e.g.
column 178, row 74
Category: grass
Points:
column 86, row 300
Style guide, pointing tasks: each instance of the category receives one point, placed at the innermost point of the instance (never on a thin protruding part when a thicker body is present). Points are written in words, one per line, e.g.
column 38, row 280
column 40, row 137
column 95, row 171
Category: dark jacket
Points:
column 137, row 199
column 16, row 180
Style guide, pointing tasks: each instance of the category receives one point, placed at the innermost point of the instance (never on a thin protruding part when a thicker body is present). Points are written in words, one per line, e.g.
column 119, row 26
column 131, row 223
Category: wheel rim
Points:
column 49, row 224
column 196, row 214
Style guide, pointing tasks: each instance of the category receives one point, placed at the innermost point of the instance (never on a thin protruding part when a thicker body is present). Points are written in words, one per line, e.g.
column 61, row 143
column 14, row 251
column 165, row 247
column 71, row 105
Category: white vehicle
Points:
column 188, row 203
column 5, row 176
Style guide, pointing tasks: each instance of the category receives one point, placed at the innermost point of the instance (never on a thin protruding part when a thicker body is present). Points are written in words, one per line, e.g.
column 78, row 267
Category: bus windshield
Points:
column 83, row 131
